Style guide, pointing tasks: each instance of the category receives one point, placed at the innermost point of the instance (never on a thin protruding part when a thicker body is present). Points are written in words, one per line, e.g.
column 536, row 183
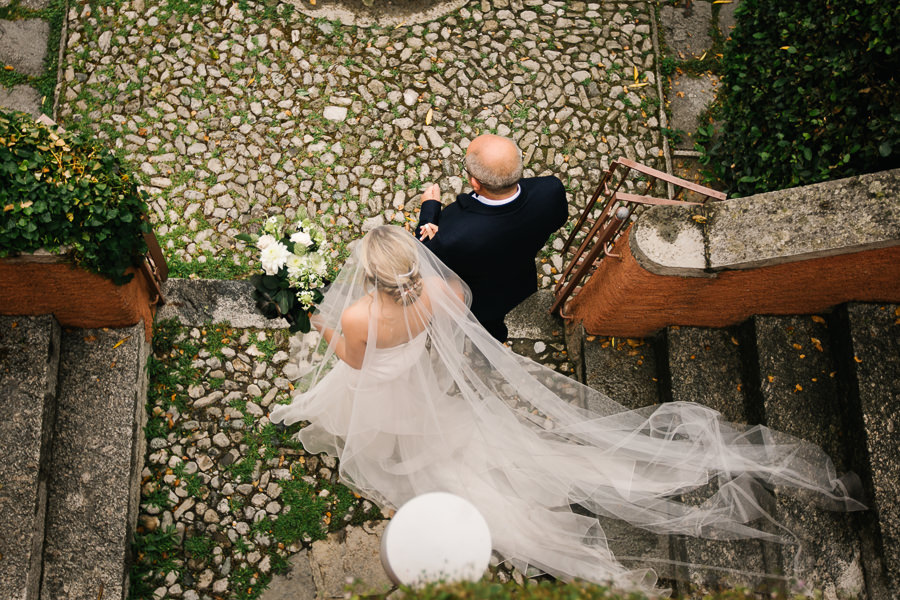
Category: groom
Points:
column 490, row 236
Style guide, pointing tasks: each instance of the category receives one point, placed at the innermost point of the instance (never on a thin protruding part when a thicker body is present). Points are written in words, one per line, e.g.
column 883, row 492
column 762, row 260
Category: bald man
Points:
column 491, row 236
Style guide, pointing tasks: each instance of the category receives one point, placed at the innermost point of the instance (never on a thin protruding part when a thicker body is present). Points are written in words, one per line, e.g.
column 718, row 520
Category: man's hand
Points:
column 429, row 230
column 433, row 192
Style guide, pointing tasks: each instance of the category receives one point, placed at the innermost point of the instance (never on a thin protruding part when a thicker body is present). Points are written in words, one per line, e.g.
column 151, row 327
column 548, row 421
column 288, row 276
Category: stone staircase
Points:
column 74, row 404
column 832, row 379
column 72, row 441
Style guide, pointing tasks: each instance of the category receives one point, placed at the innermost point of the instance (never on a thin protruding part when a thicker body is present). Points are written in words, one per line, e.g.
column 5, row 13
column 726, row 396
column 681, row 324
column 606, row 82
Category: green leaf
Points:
column 284, row 299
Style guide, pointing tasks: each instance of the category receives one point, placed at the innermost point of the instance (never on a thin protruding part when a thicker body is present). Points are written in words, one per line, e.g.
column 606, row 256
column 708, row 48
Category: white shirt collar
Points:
column 491, row 202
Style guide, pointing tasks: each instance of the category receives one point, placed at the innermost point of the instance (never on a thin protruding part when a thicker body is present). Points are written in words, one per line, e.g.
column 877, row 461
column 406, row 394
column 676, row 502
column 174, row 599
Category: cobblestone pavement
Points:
column 228, row 500
column 229, row 114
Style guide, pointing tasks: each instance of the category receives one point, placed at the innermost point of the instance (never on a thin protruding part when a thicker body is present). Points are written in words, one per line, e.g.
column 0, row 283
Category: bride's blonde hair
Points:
column 390, row 259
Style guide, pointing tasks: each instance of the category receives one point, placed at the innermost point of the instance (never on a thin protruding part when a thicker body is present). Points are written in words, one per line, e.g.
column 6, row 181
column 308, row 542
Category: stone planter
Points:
column 43, row 283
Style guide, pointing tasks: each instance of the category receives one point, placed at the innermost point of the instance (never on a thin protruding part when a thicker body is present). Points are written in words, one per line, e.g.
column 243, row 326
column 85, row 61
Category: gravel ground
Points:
column 228, row 498
column 229, row 112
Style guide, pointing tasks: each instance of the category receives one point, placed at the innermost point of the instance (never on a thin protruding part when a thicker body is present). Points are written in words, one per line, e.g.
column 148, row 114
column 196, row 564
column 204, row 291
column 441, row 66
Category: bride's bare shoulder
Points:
column 356, row 316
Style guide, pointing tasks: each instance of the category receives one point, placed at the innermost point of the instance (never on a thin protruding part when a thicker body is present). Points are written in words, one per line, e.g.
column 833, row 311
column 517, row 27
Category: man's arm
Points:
column 560, row 204
column 429, row 213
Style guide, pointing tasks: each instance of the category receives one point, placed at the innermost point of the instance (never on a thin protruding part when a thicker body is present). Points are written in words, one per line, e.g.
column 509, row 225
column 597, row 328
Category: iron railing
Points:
column 606, row 215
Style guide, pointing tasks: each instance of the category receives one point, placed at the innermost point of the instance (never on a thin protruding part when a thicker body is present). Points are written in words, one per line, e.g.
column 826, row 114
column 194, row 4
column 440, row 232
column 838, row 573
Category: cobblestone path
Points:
column 230, row 114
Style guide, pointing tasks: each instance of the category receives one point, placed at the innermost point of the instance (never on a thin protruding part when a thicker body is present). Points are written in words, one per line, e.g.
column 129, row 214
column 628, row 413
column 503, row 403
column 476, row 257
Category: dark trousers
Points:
column 496, row 328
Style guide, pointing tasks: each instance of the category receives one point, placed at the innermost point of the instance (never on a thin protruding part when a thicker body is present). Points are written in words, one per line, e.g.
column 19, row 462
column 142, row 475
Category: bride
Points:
column 414, row 396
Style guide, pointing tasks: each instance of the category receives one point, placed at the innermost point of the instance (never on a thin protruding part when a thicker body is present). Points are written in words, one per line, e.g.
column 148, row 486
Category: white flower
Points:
column 306, row 299
column 265, row 241
column 273, row 257
column 317, row 263
column 273, row 225
column 295, row 266
column 302, row 238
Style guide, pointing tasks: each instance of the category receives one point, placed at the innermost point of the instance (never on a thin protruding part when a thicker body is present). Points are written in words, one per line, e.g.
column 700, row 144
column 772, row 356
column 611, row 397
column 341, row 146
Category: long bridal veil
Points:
column 439, row 405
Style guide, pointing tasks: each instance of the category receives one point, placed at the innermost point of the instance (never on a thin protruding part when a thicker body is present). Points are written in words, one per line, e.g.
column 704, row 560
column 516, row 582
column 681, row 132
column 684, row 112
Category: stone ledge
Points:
column 826, row 219
column 98, row 453
column 194, row 302
column 29, row 362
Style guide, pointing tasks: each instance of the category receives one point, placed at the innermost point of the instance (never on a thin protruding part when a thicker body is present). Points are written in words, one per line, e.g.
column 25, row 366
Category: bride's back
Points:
column 392, row 323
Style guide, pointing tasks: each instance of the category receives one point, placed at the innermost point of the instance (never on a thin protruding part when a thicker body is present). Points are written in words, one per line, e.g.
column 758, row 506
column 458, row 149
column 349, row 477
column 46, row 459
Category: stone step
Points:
column 29, row 359
column 706, row 366
column 626, row 371
column 98, row 450
column 798, row 389
column 873, row 368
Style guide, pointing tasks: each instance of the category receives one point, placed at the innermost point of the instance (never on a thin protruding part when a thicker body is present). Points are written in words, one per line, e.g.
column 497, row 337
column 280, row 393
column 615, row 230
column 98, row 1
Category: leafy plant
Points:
column 67, row 195
column 155, row 553
column 808, row 93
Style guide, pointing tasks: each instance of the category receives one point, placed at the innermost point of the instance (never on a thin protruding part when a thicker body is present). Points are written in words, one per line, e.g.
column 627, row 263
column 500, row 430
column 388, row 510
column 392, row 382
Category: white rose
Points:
column 302, row 238
column 273, row 257
column 265, row 241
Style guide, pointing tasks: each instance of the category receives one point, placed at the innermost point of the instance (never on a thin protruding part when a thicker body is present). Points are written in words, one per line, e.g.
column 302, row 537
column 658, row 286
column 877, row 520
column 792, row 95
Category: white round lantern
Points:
column 436, row 537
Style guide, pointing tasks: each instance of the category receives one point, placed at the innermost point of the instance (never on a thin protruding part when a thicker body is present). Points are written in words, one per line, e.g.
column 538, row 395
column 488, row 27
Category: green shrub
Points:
column 810, row 91
column 67, row 195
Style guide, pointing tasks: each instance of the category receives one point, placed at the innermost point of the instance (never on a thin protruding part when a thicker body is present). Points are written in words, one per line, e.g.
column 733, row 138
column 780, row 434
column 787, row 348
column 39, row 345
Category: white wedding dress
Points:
column 453, row 410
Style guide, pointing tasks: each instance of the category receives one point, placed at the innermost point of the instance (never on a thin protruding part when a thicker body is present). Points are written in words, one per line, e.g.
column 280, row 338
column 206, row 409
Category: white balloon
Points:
column 436, row 537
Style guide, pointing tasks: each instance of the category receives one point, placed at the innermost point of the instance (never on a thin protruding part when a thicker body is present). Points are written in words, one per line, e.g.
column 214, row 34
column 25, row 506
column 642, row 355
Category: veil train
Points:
column 451, row 409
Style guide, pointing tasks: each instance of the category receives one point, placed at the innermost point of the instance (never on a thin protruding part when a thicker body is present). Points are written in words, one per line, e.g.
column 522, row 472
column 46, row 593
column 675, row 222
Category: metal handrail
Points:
column 155, row 267
column 597, row 235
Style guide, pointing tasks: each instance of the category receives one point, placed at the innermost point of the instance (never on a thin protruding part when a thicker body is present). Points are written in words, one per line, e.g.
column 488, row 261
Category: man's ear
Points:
column 476, row 185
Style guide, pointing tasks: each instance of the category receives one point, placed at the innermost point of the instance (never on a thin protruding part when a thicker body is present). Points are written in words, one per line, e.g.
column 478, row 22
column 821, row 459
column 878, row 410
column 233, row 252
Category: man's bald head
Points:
column 496, row 162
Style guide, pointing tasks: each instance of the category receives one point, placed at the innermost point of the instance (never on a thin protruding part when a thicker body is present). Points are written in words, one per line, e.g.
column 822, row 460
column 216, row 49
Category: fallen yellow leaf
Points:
column 120, row 342
column 699, row 218
column 734, row 341
column 428, row 116
column 818, row 319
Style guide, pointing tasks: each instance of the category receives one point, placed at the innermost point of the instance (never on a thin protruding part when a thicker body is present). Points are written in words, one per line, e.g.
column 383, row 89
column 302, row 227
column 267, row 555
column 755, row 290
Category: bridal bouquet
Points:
column 296, row 266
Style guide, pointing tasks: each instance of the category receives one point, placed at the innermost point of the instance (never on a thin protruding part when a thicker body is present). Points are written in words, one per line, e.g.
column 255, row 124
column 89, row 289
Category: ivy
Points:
column 809, row 92
column 67, row 195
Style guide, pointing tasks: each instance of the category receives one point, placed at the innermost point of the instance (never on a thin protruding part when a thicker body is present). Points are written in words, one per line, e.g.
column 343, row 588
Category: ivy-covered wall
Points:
column 810, row 91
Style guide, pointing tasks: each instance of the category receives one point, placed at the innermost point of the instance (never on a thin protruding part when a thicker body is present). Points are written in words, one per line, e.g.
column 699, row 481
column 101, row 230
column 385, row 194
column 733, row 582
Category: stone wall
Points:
column 795, row 251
